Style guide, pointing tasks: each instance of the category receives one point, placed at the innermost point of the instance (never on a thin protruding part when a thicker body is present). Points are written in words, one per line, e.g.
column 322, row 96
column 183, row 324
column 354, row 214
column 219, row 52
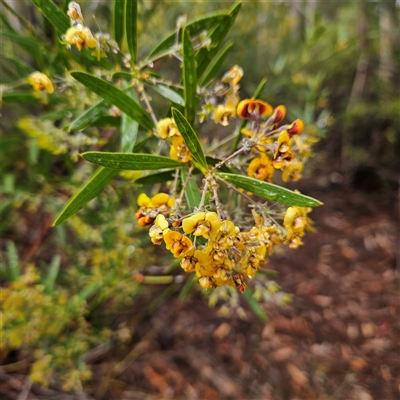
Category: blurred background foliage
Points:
column 334, row 64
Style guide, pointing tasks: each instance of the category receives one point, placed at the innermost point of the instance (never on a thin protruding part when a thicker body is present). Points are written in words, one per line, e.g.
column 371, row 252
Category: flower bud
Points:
column 296, row 127
column 253, row 109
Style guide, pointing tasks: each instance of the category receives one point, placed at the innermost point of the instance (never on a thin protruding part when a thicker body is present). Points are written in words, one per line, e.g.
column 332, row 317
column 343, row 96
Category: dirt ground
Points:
column 338, row 339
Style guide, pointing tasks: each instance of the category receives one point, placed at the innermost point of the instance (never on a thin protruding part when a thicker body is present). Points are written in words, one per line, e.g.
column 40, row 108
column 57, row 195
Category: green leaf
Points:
column 116, row 97
column 254, row 305
column 256, row 95
column 194, row 28
column 270, row 191
column 88, row 191
column 188, row 286
column 119, row 8
column 204, row 56
column 129, row 131
column 13, row 261
column 19, row 97
column 215, row 64
column 189, row 77
column 32, row 46
column 191, row 140
column 122, row 75
column 168, row 93
column 159, row 177
column 132, row 162
column 107, row 120
column 260, row 88
column 131, row 27
column 91, row 115
column 101, row 177
column 192, row 192
column 52, row 274
column 54, row 15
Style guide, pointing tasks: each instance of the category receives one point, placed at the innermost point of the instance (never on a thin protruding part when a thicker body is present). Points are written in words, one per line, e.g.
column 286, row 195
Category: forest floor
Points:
column 337, row 340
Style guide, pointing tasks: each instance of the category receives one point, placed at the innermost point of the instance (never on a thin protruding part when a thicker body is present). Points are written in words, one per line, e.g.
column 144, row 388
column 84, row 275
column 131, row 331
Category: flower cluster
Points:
column 222, row 100
column 216, row 249
column 273, row 144
column 80, row 36
column 161, row 203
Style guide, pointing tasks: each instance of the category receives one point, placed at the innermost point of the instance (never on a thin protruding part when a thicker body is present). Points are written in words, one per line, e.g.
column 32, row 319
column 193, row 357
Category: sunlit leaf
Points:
column 129, row 131
column 131, row 27
column 169, row 94
column 270, row 191
column 91, row 115
column 194, row 28
column 204, row 56
column 88, row 191
column 190, row 137
column 189, row 77
column 116, row 97
column 192, row 192
column 54, row 14
column 118, row 20
column 132, row 162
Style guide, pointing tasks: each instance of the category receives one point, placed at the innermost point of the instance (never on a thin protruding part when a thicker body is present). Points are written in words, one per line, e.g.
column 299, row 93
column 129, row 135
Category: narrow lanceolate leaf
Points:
column 254, row 305
column 159, row 177
column 215, row 64
column 52, row 273
column 129, row 131
column 260, row 88
column 90, row 189
column 192, row 192
column 194, row 28
column 31, row 45
column 54, row 14
column 256, row 95
column 101, row 177
column 116, row 97
column 270, row 191
column 131, row 27
column 132, row 162
column 189, row 77
column 204, row 55
column 119, row 8
column 191, row 140
column 91, row 115
column 169, row 94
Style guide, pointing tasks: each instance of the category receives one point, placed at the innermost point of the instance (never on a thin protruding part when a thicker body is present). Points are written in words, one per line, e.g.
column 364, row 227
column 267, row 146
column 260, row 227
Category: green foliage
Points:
column 56, row 308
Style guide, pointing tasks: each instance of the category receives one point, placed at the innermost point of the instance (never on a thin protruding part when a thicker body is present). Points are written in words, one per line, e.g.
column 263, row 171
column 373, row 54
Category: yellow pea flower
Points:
column 40, row 82
column 204, row 224
column 81, row 38
column 261, row 168
column 178, row 244
column 179, row 151
column 166, row 128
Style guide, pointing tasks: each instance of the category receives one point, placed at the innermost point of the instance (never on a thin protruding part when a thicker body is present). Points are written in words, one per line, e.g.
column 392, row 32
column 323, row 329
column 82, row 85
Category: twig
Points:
column 149, row 107
column 175, row 183
column 25, row 391
column 185, row 183
column 218, row 204
column 233, row 155
column 203, row 195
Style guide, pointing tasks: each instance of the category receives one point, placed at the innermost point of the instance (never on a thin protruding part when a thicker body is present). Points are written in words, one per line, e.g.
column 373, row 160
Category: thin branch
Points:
column 149, row 107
